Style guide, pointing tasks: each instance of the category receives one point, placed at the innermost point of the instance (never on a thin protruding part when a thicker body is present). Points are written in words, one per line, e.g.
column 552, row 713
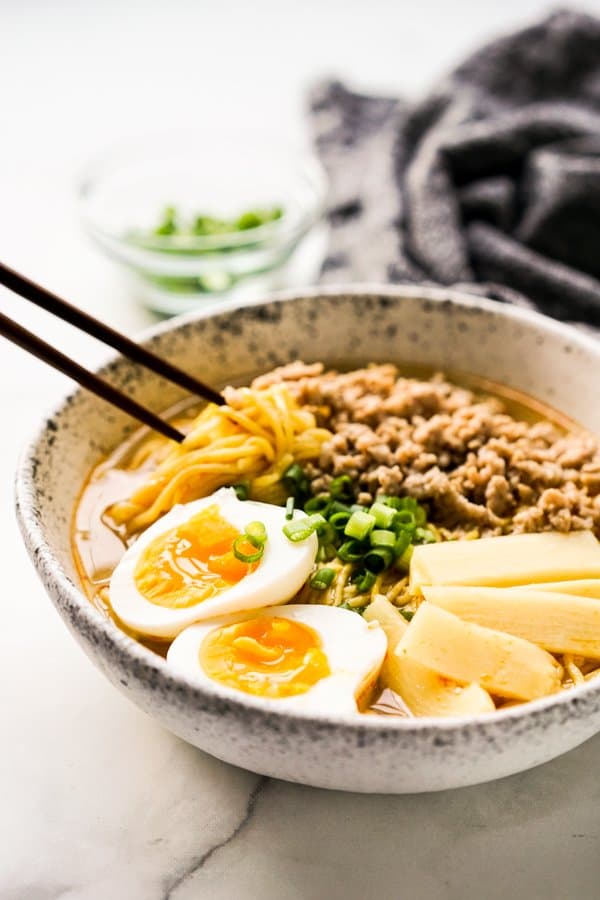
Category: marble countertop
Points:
column 97, row 802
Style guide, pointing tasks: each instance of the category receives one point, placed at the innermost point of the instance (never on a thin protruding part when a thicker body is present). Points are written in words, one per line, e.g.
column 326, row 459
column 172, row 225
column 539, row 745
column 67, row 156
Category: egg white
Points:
column 355, row 650
column 281, row 572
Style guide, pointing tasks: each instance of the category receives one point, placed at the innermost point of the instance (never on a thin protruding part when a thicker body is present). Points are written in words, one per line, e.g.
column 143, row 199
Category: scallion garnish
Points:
column 404, row 560
column 340, row 519
column 404, row 520
column 301, row 529
column 294, row 473
column 382, row 538
column 326, row 552
column 350, row 551
column 295, row 482
column 242, row 490
column 322, row 579
column 424, row 536
column 394, row 502
column 241, row 554
column 256, row 534
column 359, row 525
column 384, row 515
column 320, row 504
column 354, row 609
column 402, row 543
column 365, row 581
column 336, row 507
column 378, row 559
column 341, row 488
column 172, row 222
column 370, row 539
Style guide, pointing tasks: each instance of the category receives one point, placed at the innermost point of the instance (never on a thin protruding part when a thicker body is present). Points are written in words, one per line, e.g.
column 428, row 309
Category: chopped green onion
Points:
column 293, row 473
column 350, row 551
column 408, row 503
column 317, row 521
column 254, row 218
column 242, row 490
column 404, row 520
column 319, row 504
column 402, row 543
column 295, row 481
column 326, row 552
column 246, row 557
column 365, row 581
column 424, row 536
column 404, row 504
column 327, row 534
column 171, row 223
column 168, row 223
column 301, row 529
column 404, row 560
column 355, row 609
column 340, row 519
column 382, row 538
column 420, row 516
column 378, row 559
column 359, row 525
column 248, row 220
column 256, row 533
column 393, row 502
column 371, row 539
column 384, row 515
column 297, row 530
column 336, row 507
column 322, row 579
column 341, row 488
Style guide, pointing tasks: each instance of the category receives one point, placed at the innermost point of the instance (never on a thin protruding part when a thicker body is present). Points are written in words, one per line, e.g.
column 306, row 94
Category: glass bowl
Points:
column 125, row 195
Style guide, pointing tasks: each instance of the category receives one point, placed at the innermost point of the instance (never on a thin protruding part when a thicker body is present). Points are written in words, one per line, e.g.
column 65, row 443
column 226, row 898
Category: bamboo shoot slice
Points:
column 426, row 693
column 506, row 561
column 583, row 587
column 561, row 623
column 501, row 663
column 389, row 617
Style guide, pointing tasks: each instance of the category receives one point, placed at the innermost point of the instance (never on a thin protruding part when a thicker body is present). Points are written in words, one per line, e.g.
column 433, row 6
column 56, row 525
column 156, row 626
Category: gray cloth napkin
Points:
column 492, row 182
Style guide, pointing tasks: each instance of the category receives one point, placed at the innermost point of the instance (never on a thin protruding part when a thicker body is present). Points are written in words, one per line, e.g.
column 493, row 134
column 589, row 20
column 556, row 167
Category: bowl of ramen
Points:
column 375, row 568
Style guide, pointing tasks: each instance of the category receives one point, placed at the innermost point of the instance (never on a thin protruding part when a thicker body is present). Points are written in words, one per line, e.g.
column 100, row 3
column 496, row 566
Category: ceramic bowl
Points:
column 340, row 326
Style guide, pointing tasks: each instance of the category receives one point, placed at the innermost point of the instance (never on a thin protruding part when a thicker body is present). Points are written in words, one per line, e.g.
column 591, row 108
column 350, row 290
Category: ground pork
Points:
column 476, row 467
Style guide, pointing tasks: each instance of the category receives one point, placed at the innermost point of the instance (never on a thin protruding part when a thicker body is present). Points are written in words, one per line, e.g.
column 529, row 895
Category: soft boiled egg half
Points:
column 186, row 567
column 310, row 657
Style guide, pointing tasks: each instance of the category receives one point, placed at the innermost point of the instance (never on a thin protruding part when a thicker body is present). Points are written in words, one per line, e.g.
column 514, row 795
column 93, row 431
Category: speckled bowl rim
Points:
column 144, row 663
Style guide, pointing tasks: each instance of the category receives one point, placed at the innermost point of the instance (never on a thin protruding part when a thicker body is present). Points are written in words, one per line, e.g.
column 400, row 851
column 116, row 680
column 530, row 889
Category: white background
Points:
column 95, row 800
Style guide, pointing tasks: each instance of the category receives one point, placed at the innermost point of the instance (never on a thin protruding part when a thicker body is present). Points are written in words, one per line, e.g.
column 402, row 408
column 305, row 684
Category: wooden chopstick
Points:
column 28, row 341
column 90, row 325
column 68, row 313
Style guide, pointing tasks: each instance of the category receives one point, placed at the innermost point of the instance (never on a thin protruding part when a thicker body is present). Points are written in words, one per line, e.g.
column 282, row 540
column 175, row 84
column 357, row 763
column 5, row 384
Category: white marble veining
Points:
column 96, row 801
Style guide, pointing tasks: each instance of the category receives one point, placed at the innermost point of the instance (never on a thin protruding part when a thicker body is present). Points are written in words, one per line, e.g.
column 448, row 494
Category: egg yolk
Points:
column 192, row 563
column 267, row 656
